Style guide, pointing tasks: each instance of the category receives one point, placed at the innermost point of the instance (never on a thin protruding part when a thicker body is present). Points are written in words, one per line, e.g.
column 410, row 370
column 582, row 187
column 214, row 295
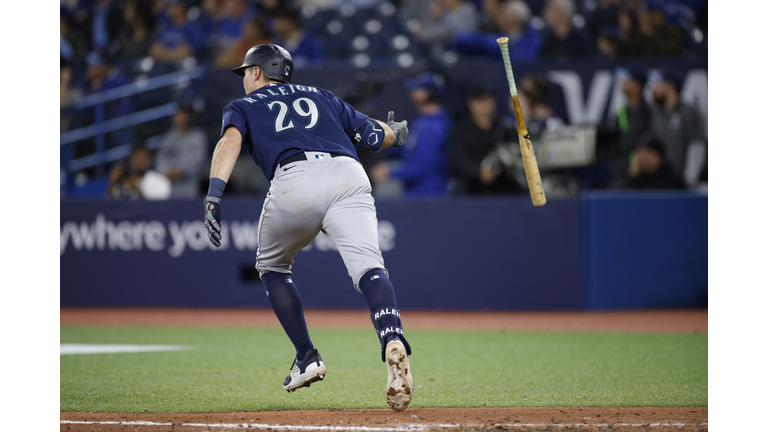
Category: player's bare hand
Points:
column 213, row 219
column 399, row 128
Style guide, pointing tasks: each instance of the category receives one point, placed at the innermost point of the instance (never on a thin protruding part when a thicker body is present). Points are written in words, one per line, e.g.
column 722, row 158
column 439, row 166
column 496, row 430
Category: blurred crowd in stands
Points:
column 656, row 142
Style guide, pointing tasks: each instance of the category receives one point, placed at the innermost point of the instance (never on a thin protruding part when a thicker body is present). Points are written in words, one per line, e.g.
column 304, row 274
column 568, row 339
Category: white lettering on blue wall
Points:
column 178, row 238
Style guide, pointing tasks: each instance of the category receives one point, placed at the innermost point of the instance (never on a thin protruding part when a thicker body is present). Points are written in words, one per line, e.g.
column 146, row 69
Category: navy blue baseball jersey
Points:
column 280, row 120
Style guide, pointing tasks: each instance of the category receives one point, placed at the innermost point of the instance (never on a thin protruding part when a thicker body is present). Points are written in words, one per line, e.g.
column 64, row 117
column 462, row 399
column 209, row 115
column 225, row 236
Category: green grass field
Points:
column 242, row 369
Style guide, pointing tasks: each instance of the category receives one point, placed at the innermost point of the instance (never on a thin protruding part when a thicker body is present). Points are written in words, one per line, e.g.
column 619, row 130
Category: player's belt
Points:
column 302, row 157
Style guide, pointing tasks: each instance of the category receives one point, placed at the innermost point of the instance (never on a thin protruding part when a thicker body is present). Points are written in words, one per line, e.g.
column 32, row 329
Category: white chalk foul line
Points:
column 407, row 427
column 112, row 348
column 410, row 427
column 127, row 423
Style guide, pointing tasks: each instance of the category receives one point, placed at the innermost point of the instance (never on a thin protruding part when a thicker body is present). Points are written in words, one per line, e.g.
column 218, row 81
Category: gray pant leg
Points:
column 351, row 220
column 290, row 219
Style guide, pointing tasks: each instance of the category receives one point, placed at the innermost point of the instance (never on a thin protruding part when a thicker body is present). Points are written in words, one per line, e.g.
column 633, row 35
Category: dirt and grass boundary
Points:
column 417, row 419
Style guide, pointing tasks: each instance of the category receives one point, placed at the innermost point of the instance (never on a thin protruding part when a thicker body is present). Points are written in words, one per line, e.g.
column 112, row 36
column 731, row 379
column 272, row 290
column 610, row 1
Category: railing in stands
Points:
column 101, row 127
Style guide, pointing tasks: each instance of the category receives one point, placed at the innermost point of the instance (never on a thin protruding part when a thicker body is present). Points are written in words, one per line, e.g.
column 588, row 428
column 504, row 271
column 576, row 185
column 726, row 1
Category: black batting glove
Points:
column 213, row 219
column 400, row 128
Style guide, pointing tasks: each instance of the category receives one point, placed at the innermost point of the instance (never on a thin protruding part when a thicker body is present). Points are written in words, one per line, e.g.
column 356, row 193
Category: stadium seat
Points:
column 316, row 23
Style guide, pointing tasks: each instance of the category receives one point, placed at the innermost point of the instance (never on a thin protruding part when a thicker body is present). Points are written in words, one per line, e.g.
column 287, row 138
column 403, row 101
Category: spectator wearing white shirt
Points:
column 138, row 181
column 444, row 20
column 182, row 155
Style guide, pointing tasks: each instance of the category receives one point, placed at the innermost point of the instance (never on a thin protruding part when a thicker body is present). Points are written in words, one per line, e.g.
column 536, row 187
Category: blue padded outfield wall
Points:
column 603, row 251
column 437, row 252
column 644, row 251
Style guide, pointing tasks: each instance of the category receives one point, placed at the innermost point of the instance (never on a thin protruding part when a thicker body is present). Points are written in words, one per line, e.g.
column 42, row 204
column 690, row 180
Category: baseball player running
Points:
column 302, row 139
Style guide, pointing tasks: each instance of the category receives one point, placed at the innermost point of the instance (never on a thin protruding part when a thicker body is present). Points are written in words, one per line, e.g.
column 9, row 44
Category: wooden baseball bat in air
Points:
column 526, row 148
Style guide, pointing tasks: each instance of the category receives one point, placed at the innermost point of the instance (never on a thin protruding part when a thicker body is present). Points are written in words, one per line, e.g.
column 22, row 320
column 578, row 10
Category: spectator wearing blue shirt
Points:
column 213, row 13
column 304, row 47
column 230, row 28
column 105, row 22
column 424, row 168
column 102, row 76
column 178, row 38
column 512, row 19
column 679, row 13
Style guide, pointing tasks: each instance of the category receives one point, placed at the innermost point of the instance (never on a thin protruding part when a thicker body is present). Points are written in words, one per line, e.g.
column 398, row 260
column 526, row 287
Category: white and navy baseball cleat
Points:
column 399, row 379
column 305, row 372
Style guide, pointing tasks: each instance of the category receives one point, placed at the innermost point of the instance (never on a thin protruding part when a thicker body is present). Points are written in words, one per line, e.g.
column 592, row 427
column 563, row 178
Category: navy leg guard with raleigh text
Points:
column 387, row 323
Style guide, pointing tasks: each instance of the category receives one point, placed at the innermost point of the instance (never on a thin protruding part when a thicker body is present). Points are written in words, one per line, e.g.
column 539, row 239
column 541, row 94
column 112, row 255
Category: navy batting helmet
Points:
column 274, row 60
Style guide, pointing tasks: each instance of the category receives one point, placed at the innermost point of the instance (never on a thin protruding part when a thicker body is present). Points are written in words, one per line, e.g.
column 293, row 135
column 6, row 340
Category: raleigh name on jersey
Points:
column 280, row 120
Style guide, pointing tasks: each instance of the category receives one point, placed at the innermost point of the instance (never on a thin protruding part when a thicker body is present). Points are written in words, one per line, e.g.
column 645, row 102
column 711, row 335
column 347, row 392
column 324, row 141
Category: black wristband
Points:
column 216, row 187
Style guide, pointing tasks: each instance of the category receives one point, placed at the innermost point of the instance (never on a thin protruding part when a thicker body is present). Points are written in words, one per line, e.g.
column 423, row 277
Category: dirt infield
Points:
column 417, row 419
column 658, row 419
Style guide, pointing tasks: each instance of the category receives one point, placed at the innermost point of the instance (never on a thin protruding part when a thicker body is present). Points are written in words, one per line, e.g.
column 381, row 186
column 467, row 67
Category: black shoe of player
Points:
column 306, row 371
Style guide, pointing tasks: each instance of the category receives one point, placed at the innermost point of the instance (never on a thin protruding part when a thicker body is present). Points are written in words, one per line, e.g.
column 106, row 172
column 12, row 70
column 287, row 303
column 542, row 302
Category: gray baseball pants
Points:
column 323, row 193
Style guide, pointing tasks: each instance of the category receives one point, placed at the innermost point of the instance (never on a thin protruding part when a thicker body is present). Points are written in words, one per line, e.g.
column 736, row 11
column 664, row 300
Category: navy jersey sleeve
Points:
column 350, row 118
column 233, row 116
